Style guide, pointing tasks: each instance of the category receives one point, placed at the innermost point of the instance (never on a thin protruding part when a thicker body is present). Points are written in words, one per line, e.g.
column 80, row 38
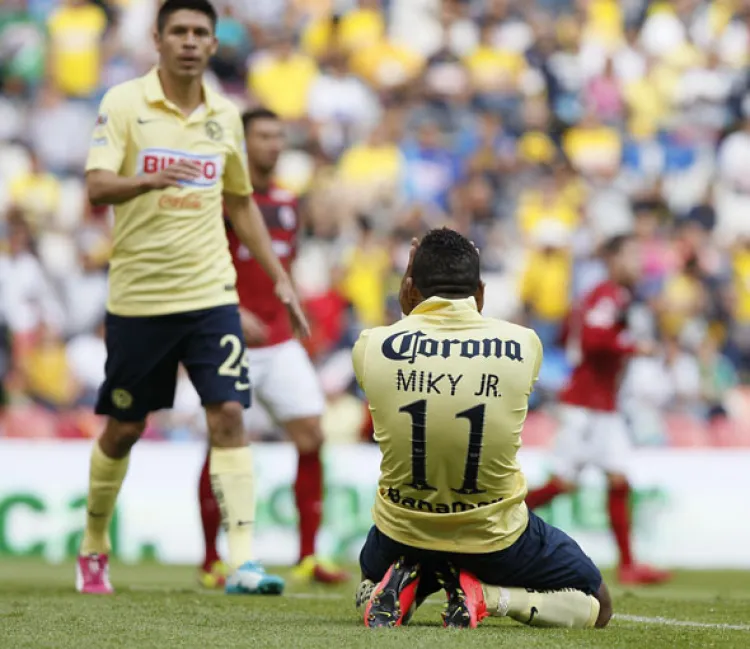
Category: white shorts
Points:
column 285, row 382
column 590, row 437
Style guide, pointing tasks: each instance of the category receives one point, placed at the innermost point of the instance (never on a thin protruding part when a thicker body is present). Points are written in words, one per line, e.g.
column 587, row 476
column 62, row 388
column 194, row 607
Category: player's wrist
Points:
column 144, row 183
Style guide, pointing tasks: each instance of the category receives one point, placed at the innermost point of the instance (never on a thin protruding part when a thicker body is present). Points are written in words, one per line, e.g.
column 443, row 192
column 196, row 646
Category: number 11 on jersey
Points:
column 418, row 413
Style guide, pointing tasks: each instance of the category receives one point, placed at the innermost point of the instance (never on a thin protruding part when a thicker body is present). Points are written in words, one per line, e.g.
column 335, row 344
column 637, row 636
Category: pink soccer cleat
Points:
column 92, row 575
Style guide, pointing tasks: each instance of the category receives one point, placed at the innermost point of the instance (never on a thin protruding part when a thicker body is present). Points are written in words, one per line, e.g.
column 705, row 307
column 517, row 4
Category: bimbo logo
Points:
column 151, row 161
column 407, row 345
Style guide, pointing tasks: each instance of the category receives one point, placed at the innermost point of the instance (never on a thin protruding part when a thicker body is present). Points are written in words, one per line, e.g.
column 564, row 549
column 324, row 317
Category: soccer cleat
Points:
column 638, row 574
column 92, row 575
column 252, row 579
column 213, row 576
column 393, row 600
column 324, row 572
column 465, row 607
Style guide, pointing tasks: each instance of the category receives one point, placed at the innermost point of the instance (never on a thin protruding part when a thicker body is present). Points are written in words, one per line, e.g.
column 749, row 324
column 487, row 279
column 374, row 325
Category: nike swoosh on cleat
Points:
column 244, row 523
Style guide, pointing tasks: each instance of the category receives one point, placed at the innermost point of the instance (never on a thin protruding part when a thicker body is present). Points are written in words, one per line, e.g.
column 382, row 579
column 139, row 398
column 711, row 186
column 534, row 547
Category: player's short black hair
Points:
column 614, row 245
column 171, row 6
column 250, row 116
column 446, row 264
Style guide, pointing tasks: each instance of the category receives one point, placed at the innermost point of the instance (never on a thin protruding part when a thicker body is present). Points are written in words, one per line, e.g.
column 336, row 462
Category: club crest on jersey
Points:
column 151, row 161
column 408, row 345
column 214, row 130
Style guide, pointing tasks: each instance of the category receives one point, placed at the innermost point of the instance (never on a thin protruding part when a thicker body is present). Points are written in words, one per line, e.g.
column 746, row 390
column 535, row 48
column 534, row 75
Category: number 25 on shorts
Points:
column 235, row 362
column 418, row 413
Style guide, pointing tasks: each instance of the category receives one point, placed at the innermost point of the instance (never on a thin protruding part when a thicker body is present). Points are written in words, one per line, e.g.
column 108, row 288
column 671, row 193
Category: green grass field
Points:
column 161, row 607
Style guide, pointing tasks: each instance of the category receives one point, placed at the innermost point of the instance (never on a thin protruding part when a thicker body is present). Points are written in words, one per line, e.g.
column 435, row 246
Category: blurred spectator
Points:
column 76, row 29
column 546, row 281
column 364, row 271
column 280, row 78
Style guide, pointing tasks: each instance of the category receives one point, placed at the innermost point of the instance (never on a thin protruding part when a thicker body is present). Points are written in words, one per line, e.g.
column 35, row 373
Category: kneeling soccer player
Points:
column 448, row 390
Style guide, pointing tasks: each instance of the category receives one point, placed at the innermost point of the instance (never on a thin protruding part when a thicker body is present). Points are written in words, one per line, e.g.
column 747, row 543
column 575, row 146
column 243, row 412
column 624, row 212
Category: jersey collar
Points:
column 155, row 93
column 444, row 306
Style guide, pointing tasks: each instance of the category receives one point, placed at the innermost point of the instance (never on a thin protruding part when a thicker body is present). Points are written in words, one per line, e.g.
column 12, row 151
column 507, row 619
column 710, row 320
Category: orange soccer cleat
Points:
column 465, row 607
column 393, row 600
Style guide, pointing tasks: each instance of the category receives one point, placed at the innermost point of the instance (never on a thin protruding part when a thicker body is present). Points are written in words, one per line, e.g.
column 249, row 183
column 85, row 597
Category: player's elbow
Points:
column 95, row 190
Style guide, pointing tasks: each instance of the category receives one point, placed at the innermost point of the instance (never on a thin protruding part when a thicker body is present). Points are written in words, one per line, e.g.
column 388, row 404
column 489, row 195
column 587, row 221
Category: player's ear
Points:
column 157, row 39
column 479, row 296
column 214, row 45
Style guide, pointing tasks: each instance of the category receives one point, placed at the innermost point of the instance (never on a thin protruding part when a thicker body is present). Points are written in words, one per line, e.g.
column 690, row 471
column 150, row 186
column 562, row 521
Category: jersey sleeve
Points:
column 236, row 174
column 600, row 329
column 538, row 357
column 109, row 140
column 358, row 357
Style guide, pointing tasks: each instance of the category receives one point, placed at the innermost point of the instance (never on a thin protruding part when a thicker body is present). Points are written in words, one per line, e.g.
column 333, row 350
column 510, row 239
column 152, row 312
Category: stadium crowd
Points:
column 537, row 128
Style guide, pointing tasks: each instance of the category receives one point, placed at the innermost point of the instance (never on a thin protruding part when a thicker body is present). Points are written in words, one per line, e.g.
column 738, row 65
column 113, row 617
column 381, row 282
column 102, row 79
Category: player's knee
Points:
column 307, row 434
column 605, row 607
column 617, row 481
column 120, row 436
column 225, row 424
column 564, row 485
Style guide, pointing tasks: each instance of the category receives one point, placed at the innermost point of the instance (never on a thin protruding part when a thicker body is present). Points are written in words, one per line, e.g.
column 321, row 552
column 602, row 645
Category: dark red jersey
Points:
column 599, row 328
column 255, row 288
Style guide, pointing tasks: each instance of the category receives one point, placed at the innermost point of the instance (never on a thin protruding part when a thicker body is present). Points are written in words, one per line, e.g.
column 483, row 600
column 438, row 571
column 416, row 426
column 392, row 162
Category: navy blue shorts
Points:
column 143, row 354
column 543, row 558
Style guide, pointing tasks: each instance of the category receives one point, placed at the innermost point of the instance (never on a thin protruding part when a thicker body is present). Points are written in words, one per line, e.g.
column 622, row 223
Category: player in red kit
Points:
column 281, row 373
column 591, row 430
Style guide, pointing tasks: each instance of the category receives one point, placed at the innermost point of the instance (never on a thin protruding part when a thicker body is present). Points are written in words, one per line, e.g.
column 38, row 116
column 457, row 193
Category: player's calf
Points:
column 393, row 601
column 569, row 608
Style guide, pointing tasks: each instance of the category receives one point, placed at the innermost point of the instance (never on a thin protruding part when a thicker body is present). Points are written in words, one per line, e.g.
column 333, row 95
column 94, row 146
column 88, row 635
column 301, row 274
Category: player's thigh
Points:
column 543, row 558
column 141, row 365
column 214, row 356
column 611, row 445
column 291, row 389
column 571, row 448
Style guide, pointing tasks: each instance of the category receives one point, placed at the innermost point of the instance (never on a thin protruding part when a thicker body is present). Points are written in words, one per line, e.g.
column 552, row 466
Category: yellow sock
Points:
column 571, row 609
column 105, row 479
column 234, row 487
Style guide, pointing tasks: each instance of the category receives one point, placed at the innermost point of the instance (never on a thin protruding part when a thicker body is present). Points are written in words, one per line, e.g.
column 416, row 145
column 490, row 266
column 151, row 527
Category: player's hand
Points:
column 646, row 348
column 407, row 281
column 173, row 175
column 253, row 329
column 288, row 296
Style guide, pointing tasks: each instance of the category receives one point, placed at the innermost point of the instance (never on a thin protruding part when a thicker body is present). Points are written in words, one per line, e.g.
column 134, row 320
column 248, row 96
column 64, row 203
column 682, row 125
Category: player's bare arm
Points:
column 248, row 223
column 107, row 188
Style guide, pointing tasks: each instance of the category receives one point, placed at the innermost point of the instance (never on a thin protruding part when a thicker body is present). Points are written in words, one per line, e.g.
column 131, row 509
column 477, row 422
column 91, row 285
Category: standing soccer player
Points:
column 167, row 151
column 281, row 373
column 591, row 430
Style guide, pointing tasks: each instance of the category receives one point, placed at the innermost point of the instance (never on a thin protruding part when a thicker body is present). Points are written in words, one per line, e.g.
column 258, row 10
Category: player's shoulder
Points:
column 123, row 94
column 506, row 330
column 222, row 105
column 609, row 290
column 282, row 196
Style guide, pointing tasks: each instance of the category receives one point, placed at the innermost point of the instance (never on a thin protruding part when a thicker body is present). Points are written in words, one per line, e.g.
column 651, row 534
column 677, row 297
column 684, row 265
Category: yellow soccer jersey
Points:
column 170, row 251
column 448, row 391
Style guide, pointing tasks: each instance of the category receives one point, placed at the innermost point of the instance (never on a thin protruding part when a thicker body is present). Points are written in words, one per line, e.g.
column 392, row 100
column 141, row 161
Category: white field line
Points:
column 637, row 619
column 665, row 621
